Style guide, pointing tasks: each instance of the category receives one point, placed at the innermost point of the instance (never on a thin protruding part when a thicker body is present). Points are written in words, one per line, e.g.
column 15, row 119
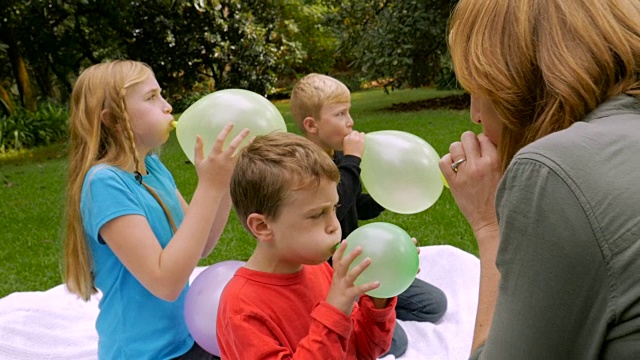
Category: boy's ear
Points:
column 259, row 226
column 309, row 124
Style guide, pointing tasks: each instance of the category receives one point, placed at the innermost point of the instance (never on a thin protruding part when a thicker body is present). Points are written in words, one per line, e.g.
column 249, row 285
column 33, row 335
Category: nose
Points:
column 334, row 225
column 349, row 121
column 167, row 107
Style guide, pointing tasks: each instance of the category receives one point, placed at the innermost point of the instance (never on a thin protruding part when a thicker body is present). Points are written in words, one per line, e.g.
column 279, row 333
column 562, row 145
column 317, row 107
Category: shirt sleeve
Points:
column 254, row 338
column 349, row 186
column 373, row 327
column 367, row 207
column 552, row 298
column 105, row 196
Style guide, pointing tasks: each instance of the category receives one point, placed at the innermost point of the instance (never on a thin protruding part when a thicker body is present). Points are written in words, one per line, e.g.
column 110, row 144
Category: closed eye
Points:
column 325, row 211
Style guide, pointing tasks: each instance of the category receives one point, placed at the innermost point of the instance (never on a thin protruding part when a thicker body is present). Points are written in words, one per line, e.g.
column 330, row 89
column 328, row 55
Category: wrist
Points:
column 379, row 303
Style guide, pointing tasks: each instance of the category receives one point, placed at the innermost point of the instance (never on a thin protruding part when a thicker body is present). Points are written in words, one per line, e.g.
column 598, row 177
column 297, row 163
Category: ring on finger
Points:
column 454, row 166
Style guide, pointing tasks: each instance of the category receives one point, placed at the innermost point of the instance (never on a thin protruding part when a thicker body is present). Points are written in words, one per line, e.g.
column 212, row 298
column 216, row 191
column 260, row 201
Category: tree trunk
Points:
column 19, row 69
column 6, row 101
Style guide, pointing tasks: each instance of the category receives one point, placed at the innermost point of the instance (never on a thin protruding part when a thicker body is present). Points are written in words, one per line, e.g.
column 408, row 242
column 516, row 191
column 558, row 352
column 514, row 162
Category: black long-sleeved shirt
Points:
column 353, row 204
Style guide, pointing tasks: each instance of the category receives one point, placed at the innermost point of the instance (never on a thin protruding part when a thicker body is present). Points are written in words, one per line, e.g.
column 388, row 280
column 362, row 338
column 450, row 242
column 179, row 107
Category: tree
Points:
column 10, row 15
column 403, row 40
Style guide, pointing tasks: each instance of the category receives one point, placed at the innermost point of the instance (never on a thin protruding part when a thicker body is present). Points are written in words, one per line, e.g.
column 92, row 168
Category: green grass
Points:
column 32, row 186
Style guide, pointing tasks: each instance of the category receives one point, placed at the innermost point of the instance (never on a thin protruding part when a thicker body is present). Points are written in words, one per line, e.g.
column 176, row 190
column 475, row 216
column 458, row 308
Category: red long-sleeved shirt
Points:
column 284, row 316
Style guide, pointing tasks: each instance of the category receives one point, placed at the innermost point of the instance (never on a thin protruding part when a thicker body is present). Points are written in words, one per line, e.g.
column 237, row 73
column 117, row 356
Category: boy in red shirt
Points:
column 288, row 302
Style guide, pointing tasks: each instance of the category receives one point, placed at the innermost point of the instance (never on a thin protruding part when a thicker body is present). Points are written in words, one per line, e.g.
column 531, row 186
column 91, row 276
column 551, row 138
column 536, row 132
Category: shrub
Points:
column 24, row 129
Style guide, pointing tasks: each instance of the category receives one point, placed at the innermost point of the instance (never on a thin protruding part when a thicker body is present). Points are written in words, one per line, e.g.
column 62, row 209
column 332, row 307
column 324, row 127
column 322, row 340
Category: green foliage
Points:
column 25, row 129
column 446, row 79
column 353, row 81
column 403, row 40
column 181, row 103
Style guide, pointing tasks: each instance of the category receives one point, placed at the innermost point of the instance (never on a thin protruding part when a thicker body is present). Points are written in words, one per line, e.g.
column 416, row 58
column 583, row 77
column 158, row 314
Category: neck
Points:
column 142, row 167
column 264, row 261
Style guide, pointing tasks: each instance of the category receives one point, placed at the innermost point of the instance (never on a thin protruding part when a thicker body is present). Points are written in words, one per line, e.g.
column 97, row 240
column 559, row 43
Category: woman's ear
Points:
column 309, row 124
column 259, row 227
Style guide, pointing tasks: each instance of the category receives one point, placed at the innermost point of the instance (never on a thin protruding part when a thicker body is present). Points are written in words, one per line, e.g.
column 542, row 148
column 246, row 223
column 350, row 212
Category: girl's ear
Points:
column 107, row 120
column 309, row 124
column 259, row 227
column 105, row 117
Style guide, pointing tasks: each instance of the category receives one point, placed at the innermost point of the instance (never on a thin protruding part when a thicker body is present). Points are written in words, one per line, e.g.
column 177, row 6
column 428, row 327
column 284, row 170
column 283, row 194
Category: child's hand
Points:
column 353, row 144
column 343, row 292
column 217, row 167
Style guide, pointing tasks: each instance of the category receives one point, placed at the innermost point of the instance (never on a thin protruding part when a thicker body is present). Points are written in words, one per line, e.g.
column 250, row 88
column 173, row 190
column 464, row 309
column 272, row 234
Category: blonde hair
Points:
column 271, row 167
column 545, row 64
column 97, row 140
column 312, row 92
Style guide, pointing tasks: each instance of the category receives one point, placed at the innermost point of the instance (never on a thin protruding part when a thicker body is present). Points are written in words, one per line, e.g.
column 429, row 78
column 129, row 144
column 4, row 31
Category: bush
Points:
column 352, row 81
column 24, row 129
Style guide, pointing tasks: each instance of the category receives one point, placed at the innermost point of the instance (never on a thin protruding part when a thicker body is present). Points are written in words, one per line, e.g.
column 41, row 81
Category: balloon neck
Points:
column 173, row 125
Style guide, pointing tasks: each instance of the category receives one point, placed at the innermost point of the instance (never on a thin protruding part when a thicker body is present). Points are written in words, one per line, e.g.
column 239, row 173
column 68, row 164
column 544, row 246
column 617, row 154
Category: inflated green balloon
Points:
column 400, row 171
column 208, row 116
column 394, row 258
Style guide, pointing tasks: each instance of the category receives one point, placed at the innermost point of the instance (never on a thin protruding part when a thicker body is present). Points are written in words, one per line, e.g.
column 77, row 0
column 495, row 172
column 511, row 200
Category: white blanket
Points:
column 54, row 324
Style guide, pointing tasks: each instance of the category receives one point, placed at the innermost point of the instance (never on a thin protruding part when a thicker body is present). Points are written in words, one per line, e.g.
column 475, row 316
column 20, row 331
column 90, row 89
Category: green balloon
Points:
column 208, row 116
column 394, row 258
column 400, row 171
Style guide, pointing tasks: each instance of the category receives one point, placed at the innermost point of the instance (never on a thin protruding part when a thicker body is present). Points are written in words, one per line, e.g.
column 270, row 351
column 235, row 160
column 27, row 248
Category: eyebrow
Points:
column 320, row 207
column 154, row 90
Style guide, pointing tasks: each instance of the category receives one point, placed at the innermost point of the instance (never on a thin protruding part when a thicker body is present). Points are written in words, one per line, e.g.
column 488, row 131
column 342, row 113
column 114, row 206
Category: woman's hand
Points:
column 474, row 182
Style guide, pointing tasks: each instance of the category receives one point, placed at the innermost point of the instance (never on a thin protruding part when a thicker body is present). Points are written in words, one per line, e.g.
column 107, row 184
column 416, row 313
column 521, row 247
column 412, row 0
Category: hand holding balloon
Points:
column 343, row 288
column 353, row 144
column 392, row 255
column 216, row 167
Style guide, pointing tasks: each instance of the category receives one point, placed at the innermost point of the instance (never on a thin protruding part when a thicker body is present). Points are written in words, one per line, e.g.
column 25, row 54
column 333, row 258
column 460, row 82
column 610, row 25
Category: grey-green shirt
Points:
column 569, row 214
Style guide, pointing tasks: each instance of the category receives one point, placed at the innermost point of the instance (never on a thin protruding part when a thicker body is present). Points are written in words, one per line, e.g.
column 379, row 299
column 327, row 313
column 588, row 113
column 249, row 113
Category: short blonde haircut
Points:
column 271, row 167
column 312, row 92
column 545, row 64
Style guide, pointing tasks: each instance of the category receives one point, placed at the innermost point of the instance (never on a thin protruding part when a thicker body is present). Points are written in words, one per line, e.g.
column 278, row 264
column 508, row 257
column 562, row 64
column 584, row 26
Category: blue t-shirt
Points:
column 132, row 323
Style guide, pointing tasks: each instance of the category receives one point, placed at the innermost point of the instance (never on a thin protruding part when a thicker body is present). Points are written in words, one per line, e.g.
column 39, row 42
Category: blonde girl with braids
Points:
column 551, row 187
column 130, row 233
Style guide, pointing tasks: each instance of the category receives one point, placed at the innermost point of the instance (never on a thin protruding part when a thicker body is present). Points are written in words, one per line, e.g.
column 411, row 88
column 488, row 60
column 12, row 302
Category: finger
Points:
column 357, row 270
column 237, row 141
column 445, row 165
column 198, row 151
column 471, row 146
column 487, row 148
column 457, row 151
column 222, row 136
column 337, row 256
column 349, row 257
column 365, row 288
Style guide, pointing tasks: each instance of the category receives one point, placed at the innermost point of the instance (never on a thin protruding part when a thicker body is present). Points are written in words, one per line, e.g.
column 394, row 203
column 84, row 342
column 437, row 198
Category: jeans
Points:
column 420, row 302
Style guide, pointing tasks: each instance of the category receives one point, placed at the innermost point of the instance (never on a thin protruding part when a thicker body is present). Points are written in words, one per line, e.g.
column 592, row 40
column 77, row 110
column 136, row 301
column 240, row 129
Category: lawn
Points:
column 32, row 193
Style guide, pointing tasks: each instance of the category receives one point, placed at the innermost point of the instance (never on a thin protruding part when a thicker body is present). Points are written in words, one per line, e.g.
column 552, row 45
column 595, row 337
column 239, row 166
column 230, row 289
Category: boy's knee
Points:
column 421, row 302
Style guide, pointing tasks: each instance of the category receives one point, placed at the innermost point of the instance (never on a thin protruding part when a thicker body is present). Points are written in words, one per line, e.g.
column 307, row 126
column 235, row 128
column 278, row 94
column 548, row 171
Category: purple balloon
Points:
column 201, row 302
